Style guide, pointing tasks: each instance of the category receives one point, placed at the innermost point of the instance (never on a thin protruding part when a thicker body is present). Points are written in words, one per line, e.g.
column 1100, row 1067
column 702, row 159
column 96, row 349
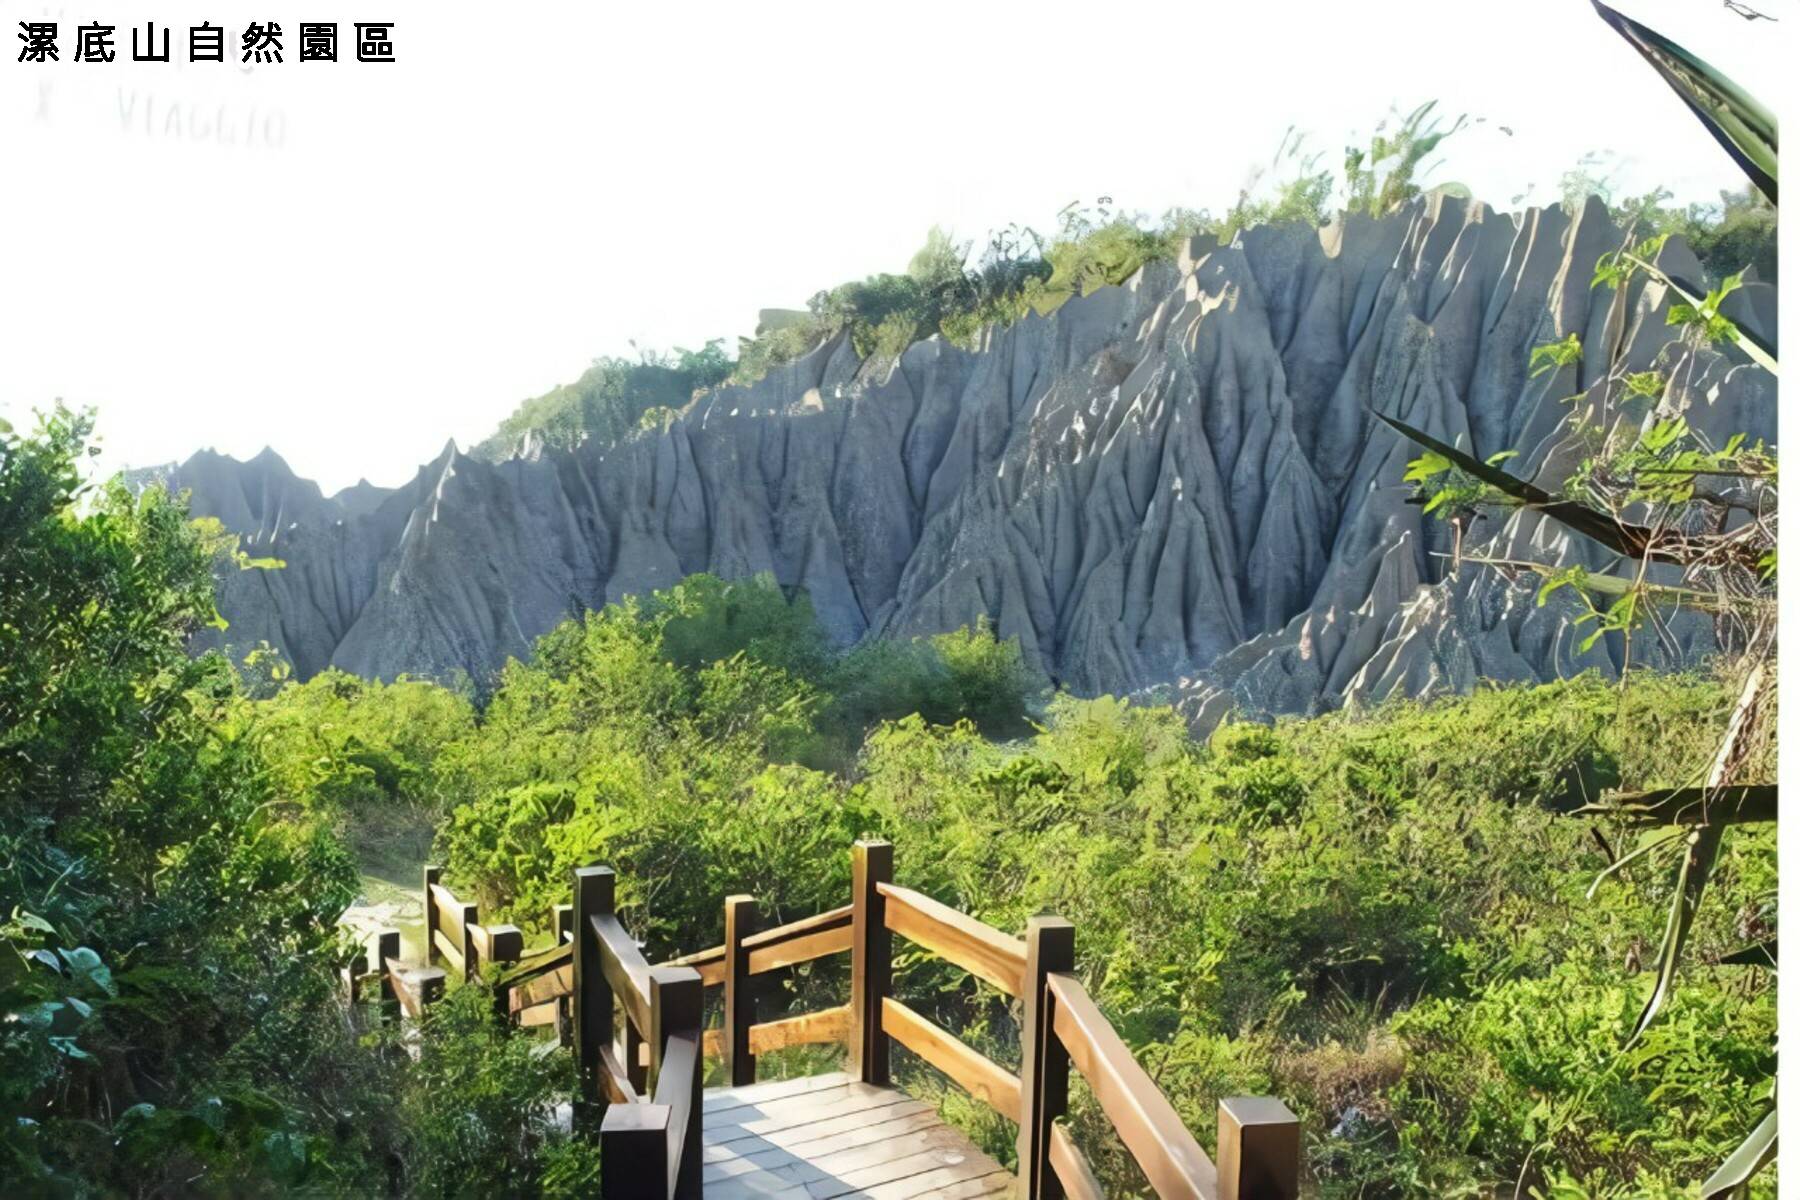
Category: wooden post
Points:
column 740, row 1001
column 471, row 967
column 634, row 1053
column 675, row 1007
column 387, row 948
column 432, row 875
column 1259, row 1149
column 871, row 959
column 634, row 1152
column 562, row 929
column 1043, row 1062
column 593, row 999
column 506, row 944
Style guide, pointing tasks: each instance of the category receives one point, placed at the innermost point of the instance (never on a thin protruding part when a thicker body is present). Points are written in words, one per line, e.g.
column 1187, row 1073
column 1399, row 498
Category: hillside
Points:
column 1175, row 482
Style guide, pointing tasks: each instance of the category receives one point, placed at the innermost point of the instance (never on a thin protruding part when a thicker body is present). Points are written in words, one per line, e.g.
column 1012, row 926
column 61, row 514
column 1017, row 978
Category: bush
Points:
column 479, row 1110
column 165, row 1002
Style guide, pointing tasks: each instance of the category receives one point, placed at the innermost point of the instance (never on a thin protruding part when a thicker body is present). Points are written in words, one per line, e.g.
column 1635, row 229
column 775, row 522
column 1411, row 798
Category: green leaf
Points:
column 1425, row 467
column 1756, row 1152
column 1759, row 351
column 1690, row 884
column 1736, row 804
column 1561, row 577
column 1553, row 356
column 85, row 964
column 1760, row 955
column 1740, row 124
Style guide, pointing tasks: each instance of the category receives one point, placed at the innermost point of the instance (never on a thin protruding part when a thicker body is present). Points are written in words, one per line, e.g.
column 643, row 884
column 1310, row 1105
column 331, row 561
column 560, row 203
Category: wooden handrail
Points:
column 978, row 1075
column 1146, row 1122
column 453, row 931
column 538, row 962
column 793, row 951
column 543, row 988
column 783, row 946
column 1071, row 1166
column 656, row 1140
column 625, row 968
column 813, row 1028
column 649, row 1147
column 615, row 1081
column 977, row 948
column 834, row 918
column 413, row 987
column 675, row 1089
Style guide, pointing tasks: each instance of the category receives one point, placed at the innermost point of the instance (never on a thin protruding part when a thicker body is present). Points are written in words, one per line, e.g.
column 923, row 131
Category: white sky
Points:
column 354, row 262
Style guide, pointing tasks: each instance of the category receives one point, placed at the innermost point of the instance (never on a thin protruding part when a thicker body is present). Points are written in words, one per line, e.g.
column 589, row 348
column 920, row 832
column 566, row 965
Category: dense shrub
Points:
column 165, row 1005
column 613, row 397
column 1379, row 916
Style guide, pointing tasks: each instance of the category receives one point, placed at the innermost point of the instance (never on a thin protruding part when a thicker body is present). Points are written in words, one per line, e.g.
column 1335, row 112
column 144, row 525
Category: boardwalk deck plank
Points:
column 831, row 1138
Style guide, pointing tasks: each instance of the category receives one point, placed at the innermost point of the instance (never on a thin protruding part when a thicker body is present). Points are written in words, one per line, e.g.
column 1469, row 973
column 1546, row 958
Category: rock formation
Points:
column 1177, row 481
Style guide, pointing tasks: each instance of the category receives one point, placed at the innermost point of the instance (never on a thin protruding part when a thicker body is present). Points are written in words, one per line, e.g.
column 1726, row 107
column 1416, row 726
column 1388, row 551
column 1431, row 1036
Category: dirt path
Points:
column 392, row 860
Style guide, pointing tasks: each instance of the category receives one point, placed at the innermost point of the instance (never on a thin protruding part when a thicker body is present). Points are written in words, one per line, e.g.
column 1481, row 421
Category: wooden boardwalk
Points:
column 829, row 1136
column 641, row 1035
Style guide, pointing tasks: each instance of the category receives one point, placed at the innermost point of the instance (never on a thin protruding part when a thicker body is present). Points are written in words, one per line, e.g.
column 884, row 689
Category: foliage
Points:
column 1384, row 177
column 348, row 746
column 1377, row 916
column 1291, row 909
column 610, row 400
column 478, row 1108
column 1736, row 233
column 1637, row 492
column 171, row 921
column 638, row 732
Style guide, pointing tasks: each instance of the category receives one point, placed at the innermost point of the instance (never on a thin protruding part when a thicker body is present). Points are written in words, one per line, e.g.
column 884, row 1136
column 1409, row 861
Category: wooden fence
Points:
column 454, row 933
column 650, row 1137
column 650, row 1075
column 402, row 990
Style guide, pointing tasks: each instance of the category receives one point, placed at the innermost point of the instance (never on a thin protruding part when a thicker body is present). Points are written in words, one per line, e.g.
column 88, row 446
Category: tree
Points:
column 1654, row 495
column 169, row 925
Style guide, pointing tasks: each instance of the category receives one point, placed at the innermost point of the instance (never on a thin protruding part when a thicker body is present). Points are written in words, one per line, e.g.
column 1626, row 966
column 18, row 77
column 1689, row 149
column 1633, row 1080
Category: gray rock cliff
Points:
column 1177, row 481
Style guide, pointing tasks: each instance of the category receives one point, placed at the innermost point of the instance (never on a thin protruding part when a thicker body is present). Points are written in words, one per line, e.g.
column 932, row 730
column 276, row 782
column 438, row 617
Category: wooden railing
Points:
column 649, row 1140
column 748, row 953
column 649, row 1077
column 453, row 932
column 1061, row 1027
column 537, row 989
column 403, row 990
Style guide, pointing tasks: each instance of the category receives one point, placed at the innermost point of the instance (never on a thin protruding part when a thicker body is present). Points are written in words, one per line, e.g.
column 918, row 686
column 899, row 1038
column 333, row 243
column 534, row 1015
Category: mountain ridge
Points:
column 1175, row 483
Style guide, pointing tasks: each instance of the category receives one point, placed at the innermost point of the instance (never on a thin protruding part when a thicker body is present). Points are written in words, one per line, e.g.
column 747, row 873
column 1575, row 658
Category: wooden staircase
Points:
column 850, row 1134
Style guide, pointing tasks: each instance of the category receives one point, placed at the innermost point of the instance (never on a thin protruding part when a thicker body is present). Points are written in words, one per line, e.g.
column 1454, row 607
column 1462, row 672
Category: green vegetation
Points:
column 172, row 870
column 1380, row 917
column 1656, row 492
column 951, row 288
column 612, row 398
column 1021, row 271
column 1738, row 232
